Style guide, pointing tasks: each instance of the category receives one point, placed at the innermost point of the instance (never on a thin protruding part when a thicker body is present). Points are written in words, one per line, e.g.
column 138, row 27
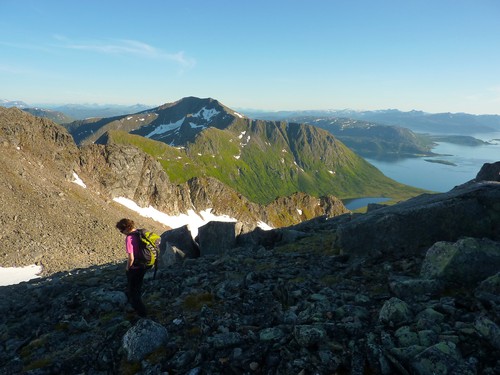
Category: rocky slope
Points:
column 45, row 217
column 288, row 301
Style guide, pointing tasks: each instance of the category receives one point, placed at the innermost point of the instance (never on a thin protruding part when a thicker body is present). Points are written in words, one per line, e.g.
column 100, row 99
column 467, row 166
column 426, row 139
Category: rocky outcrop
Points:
column 489, row 172
column 456, row 263
column 471, row 209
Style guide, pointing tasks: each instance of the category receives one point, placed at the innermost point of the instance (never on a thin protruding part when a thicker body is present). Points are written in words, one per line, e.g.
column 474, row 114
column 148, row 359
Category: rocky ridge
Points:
column 287, row 301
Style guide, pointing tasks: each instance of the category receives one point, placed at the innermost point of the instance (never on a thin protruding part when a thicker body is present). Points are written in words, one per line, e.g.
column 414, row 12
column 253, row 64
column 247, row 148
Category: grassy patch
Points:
column 38, row 364
column 320, row 243
column 196, row 301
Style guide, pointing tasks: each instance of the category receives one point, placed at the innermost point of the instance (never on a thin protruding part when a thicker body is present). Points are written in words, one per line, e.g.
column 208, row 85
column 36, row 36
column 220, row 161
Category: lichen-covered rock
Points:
column 395, row 313
column 489, row 289
column 225, row 340
column 465, row 262
column 307, row 335
column 489, row 330
column 144, row 338
column 439, row 359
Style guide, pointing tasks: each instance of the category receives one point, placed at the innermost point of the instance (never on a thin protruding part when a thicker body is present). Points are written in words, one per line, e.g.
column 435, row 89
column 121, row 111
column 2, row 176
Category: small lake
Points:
column 354, row 204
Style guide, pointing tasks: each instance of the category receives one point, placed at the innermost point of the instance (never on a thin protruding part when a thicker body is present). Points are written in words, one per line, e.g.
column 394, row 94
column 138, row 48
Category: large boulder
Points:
column 144, row 338
column 181, row 241
column 395, row 313
column 489, row 172
column 465, row 262
column 411, row 227
column 217, row 237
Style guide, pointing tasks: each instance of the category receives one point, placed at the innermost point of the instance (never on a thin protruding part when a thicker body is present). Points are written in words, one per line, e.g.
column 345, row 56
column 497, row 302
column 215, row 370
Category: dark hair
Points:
column 125, row 225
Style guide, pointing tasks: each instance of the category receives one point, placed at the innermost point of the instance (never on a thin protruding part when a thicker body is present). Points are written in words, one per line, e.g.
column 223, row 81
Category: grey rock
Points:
column 307, row 335
column 225, row 340
column 411, row 288
column 406, row 337
column 144, row 338
column 442, row 358
column 489, row 289
column 217, row 237
column 465, row 262
column 489, row 330
column 181, row 242
column 395, row 313
column 489, row 172
column 271, row 334
column 418, row 223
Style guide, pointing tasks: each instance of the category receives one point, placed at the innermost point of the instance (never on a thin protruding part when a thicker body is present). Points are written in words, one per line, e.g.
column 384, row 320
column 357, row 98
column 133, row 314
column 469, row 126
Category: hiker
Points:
column 135, row 270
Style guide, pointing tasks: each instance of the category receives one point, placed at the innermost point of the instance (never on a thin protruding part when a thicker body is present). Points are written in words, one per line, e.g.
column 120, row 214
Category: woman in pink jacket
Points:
column 135, row 271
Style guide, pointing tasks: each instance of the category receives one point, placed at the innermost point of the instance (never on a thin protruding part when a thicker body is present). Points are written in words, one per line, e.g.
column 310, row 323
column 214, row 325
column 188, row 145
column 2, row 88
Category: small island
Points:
column 440, row 161
column 463, row 140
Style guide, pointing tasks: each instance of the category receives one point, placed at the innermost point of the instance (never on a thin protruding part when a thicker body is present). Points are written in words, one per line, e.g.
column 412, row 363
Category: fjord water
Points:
column 440, row 177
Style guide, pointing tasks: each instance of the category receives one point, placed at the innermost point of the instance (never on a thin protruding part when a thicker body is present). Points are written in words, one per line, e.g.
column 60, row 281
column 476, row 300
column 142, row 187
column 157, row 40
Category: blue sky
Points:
column 430, row 55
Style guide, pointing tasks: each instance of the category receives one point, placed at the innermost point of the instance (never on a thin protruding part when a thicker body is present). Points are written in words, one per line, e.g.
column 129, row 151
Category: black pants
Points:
column 135, row 277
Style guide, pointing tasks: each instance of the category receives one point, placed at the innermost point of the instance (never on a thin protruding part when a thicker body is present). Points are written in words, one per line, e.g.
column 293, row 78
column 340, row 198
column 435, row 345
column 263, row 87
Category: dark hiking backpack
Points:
column 149, row 249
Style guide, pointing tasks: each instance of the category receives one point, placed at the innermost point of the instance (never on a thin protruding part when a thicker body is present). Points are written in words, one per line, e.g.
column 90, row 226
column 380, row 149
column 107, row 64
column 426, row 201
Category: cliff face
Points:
column 125, row 171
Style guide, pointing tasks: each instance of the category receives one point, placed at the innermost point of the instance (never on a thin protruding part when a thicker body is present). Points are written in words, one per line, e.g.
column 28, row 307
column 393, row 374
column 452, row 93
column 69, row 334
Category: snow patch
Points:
column 299, row 211
column 206, row 114
column 77, row 180
column 239, row 115
column 196, row 126
column 16, row 275
column 163, row 128
column 192, row 219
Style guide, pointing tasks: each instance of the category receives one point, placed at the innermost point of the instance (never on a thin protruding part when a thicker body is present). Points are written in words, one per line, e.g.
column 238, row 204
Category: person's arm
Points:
column 130, row 251
column 130, row 260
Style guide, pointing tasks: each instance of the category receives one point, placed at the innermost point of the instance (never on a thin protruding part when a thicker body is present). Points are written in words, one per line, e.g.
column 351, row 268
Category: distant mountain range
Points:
column 417, row 121
column 13, row 103
column 373, row 140
column 260, row 159
column 71, row 112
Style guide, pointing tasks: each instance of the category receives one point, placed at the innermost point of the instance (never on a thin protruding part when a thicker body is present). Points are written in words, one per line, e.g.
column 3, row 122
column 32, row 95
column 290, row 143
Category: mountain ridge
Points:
column 243, row 150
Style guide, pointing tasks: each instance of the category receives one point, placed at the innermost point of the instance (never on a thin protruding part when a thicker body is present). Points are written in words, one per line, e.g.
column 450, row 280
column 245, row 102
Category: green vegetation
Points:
column 320, row 243
column 265, row 160
column 196, row 301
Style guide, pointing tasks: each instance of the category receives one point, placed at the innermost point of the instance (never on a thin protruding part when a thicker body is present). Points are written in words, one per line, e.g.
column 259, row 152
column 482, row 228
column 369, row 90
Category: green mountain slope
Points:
column 264, row 160
column 373, row 140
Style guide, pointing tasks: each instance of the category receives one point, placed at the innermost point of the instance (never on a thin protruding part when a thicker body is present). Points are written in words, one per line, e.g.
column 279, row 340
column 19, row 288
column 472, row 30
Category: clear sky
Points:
column 430, row 55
